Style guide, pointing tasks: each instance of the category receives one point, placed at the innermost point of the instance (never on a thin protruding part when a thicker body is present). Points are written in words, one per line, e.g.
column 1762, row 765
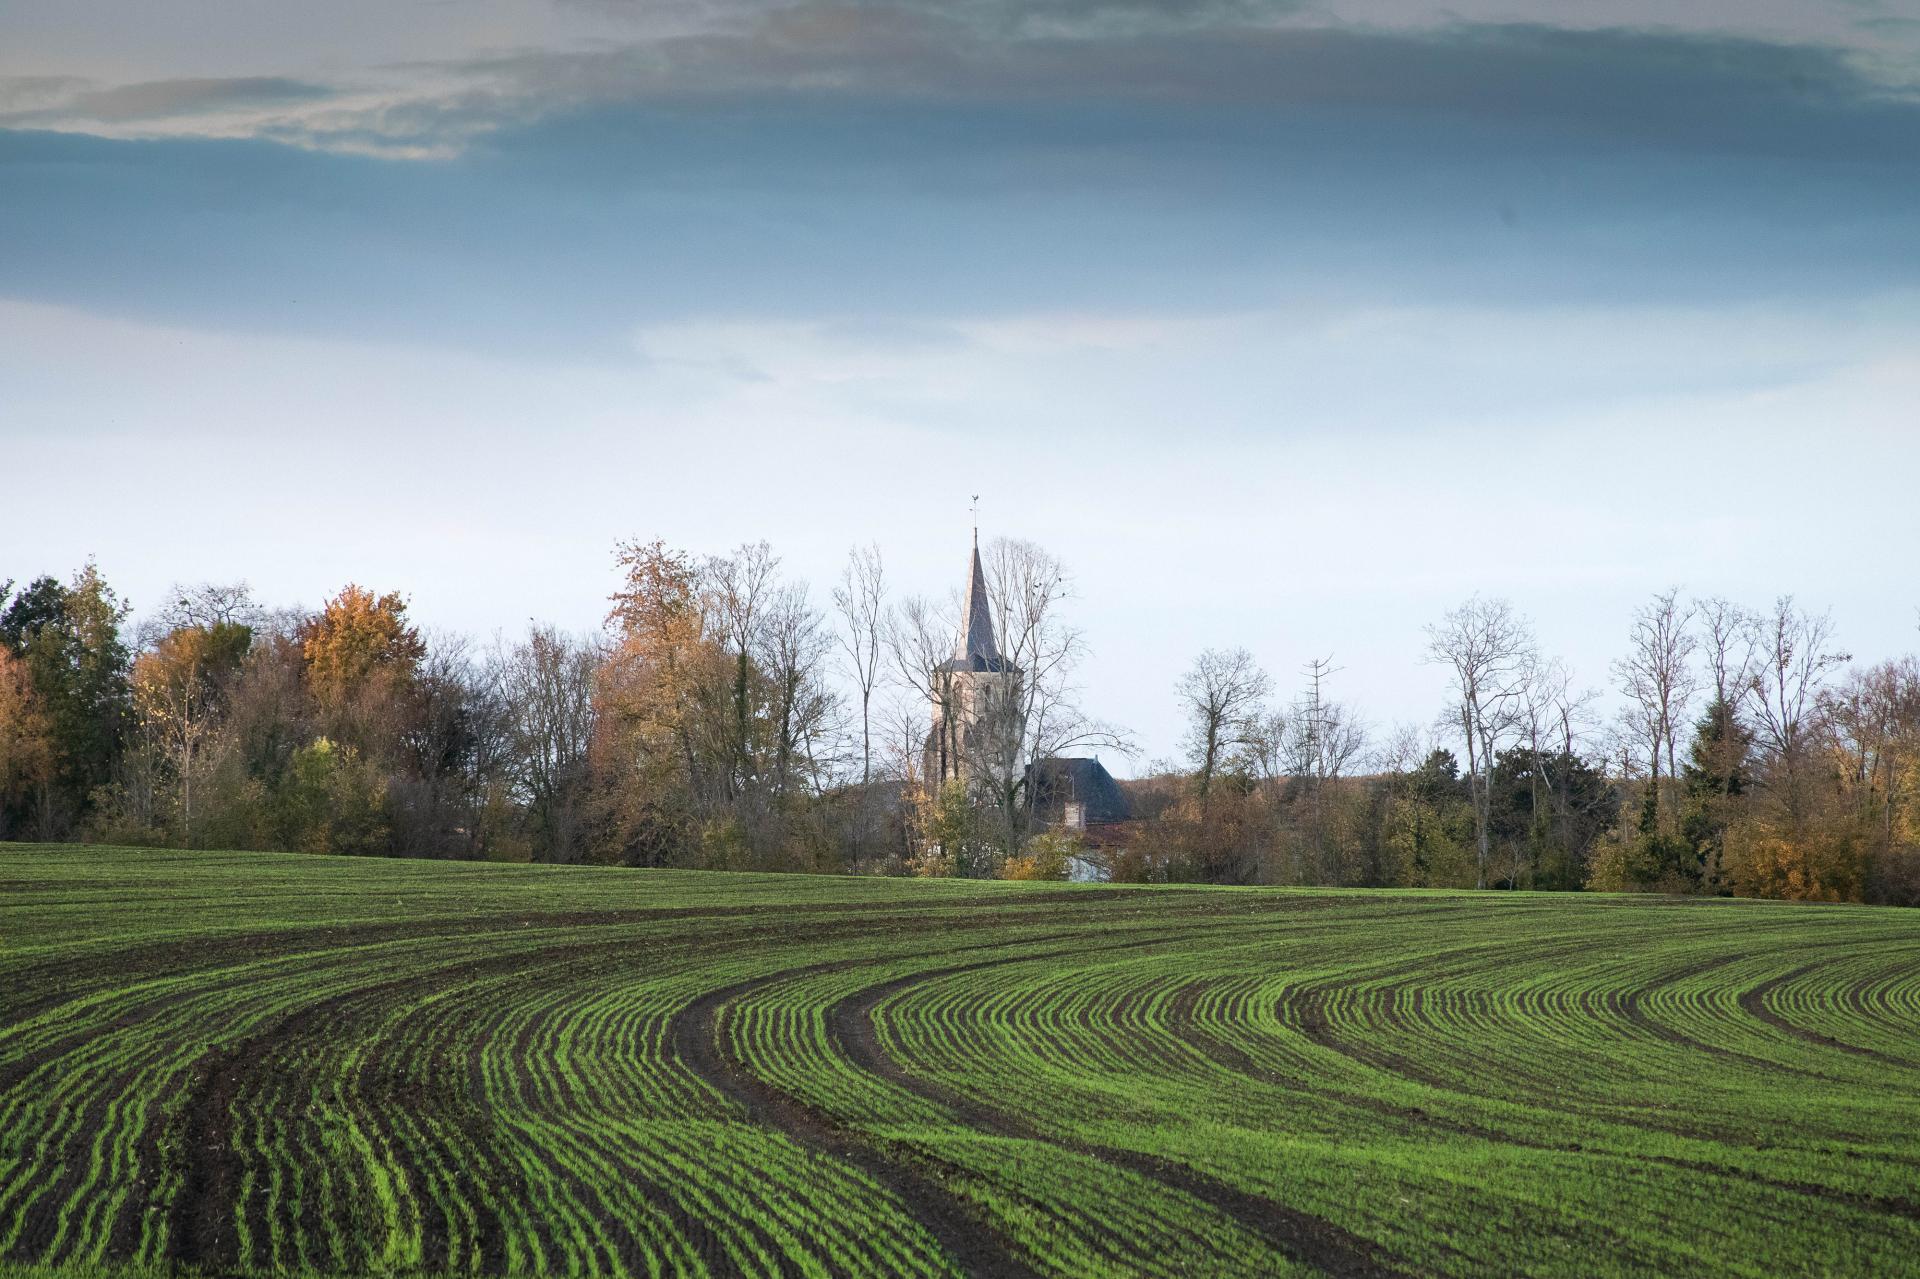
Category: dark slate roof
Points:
column 977, row 650
column 994, row 663
column 977, row 643
column 1057, row 782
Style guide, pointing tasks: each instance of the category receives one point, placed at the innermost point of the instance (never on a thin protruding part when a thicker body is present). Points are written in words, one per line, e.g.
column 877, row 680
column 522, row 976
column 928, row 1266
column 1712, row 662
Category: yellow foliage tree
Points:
column 1820, row 864
column 359, row 638
column 176, row 688
column 656, row 709
column 1046, row 856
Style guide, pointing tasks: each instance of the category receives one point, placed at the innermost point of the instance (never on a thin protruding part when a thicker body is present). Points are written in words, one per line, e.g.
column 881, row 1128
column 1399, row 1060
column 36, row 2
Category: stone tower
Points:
column 977, row 728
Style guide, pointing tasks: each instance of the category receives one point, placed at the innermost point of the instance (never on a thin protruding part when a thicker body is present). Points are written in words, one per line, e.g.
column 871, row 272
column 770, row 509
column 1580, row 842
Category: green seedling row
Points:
column 229, row 1063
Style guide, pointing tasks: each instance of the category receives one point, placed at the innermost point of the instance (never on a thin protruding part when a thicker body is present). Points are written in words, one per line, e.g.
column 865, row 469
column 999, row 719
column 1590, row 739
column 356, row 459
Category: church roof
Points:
column 1058, row 781
column 978, row 650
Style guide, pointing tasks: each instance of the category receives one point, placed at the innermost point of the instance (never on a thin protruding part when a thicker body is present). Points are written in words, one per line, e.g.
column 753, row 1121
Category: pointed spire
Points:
column 978, row 641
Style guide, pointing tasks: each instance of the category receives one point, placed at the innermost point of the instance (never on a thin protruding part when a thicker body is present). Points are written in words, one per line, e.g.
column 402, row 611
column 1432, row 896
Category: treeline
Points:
column 1744, row 755
column 694, row 732
column 725, row 719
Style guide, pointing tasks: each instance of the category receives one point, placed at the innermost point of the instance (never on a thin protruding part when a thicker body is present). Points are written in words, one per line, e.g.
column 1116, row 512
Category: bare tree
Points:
column 546, row 686
column 791, row 652
column 736, row 589
column 1222, row 695
column 1560, row 720
column 213, row 604
column 1552, row 721
column 1658, row 679
column 1487, row 649
column 1404, row 748
column 1791, row 666
column 861, row 600
column 1028, row 587
column 919, row 639
column 1730, row 633
column 1269, row 745
column 901, row 727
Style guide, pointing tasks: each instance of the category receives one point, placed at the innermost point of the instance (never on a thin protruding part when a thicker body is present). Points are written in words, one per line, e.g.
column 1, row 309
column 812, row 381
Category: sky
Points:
column 1285, row 325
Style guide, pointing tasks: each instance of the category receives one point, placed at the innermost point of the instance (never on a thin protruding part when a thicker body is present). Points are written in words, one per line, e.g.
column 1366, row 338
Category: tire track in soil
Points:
column 693, row 1036
column 1304, row 1011
column 1631, row 1005
column 46, row 1205
column 1236, row 1060
column 200, row 1225
column 200, row 1216
column 200, row 1231
column 1298, row 1235
column 693, row 1033
column 1754, row 1003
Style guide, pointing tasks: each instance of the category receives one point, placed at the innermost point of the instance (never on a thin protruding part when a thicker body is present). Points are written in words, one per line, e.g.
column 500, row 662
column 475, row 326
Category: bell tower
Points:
column 977, row 728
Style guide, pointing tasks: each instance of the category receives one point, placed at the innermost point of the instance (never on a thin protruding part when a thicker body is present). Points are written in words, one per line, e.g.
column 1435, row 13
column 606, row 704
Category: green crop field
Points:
column 243, row 1063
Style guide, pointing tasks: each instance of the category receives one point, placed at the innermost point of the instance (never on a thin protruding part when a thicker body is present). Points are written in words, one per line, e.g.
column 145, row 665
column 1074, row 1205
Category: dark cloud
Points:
column 1652, row 87
column 885, row 175
column 159, row 100
column 1639, row 83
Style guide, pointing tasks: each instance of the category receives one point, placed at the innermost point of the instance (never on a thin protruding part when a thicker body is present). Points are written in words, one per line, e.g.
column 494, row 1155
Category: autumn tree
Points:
column 1871, row 723
column 654, row 705
column 361, row 658
column 27, row 749
column 179, row 688
column 715, row 707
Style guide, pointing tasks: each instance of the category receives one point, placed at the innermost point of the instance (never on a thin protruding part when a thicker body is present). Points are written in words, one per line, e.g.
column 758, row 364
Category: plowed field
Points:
column 245, row 1063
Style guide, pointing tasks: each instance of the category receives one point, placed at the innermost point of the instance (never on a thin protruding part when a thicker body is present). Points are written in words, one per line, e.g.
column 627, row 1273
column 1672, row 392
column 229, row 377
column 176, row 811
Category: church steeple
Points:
column 978, row 720
column 977, row 641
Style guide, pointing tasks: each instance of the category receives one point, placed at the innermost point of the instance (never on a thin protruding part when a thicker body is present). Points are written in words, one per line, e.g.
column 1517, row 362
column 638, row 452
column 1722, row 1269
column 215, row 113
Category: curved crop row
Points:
column 253, row 1064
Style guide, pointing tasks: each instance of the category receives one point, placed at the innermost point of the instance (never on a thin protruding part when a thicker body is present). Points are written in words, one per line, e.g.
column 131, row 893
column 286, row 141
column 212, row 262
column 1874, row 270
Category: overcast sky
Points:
column 1284, row 325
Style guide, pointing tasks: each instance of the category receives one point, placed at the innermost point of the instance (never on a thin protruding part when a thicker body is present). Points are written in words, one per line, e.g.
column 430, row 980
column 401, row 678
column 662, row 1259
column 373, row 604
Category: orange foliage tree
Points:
column 27, row 756
column 361, row 658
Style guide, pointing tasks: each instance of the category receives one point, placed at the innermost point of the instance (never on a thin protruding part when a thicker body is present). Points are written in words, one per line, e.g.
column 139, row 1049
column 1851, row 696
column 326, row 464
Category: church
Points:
column 978, row 734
